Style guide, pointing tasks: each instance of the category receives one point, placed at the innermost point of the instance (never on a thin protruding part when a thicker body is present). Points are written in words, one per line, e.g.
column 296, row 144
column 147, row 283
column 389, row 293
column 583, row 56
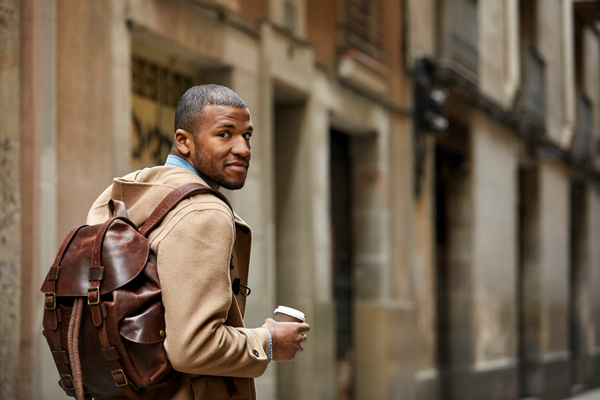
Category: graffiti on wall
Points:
column 149, row 144
column 155, row 93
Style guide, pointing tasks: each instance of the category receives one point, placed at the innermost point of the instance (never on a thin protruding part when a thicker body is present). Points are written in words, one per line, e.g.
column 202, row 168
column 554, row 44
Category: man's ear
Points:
column 184, row 141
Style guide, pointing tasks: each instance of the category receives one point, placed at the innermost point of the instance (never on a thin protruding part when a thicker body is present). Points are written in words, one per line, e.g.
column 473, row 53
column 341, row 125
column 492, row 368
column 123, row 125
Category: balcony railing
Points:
column 532, row 107
column 459, row 39
column 582, row 144
column 363, row 28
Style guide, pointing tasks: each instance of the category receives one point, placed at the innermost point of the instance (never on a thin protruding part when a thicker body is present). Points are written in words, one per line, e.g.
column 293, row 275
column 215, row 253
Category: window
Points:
column 533, row 99
column 582, row 145
column 460, row 36
column 156, row 90
column 363, row 29
column 532, row 102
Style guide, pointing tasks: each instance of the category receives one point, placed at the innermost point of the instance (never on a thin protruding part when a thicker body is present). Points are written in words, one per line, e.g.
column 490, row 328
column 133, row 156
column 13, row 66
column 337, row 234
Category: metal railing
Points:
column 460, row 37
column 533, row 99
column 582, row 144
column 363, row 27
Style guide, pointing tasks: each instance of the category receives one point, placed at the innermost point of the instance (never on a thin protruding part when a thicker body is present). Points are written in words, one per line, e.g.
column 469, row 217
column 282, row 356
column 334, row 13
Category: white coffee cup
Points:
column 288, row 314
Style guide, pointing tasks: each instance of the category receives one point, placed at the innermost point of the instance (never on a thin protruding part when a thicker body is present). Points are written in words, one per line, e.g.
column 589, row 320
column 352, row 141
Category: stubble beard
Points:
column 208, row 169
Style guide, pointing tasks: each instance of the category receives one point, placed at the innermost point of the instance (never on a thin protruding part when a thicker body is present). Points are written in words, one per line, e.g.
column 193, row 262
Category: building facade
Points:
column 454, row 265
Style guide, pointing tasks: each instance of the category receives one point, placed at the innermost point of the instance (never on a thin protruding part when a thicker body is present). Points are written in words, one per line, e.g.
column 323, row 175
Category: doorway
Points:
column 453, row 256
column 528, row 262
column 579, row 295
column 292, row 181
column 341, row 232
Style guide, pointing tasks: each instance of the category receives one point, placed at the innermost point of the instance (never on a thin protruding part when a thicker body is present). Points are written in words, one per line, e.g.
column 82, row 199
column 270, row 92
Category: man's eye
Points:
column 247, row 136
column 224, row 134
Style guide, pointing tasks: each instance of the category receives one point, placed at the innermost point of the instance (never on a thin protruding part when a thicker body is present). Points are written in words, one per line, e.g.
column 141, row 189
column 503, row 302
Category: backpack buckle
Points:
column 69, row 379
column 53, row 295
column 90, row 290
column 115, row 375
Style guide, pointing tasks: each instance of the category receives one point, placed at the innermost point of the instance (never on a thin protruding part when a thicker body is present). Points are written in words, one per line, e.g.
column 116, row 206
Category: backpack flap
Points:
column 123, row 255
column 147, row 328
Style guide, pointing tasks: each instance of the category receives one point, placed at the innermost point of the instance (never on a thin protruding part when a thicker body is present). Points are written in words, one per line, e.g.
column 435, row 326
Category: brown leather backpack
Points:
column 114, row 345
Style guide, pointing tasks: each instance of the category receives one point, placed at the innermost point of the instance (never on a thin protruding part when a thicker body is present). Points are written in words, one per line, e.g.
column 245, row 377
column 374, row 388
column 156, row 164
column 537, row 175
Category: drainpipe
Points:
column 568, row 58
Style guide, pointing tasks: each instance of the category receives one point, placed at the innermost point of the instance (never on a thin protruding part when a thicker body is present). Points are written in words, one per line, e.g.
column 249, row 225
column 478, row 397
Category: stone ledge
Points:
column 492, row 384
column 363, row 72
column 548, row 378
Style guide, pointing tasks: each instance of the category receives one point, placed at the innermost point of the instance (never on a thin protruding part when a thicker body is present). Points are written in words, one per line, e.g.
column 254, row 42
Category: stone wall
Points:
column 554, row 279
column 10, row 199
column 549, row 23
column 493, row 52
column 593, row 332
column 489, row 330
column 495, row 159
column 591, row 79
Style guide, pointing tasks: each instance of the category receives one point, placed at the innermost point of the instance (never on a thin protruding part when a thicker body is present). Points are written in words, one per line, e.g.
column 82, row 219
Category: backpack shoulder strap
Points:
column 169, row 202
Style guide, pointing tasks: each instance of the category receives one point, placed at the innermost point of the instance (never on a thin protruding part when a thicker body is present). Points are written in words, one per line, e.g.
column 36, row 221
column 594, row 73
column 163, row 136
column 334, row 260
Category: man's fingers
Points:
column 304, row 328
column 304, row 338
column 300, row 349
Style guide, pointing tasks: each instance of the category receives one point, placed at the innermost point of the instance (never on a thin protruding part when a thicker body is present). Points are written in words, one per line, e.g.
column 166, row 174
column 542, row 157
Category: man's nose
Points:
column 240, row 147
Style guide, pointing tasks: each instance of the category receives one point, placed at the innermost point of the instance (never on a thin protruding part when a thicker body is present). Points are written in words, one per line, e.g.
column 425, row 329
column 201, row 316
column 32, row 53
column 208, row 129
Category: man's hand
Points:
column 287, row 338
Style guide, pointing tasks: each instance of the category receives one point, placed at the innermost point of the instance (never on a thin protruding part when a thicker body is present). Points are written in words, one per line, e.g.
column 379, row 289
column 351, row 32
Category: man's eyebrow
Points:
column 230, row 126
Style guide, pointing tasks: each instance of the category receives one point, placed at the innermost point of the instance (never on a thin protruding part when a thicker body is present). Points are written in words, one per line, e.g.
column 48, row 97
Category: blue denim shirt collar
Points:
column 174, row 161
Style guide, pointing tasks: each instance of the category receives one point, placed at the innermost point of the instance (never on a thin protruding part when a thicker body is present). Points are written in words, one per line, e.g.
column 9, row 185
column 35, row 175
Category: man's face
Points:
column 222, row 146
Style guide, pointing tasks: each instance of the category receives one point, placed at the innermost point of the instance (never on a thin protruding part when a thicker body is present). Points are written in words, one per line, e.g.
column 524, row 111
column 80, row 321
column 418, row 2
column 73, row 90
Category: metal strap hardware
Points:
column 69, row 379
column 115, row 374
column 93, row 302
column 53, row 295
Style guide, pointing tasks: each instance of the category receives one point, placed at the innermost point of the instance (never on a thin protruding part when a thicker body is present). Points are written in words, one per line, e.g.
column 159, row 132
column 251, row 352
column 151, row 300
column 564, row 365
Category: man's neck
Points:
column 174, row 160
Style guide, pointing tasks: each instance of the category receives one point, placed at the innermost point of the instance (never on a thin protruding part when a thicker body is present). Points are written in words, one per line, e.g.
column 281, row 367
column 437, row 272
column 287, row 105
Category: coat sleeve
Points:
column 193, row 257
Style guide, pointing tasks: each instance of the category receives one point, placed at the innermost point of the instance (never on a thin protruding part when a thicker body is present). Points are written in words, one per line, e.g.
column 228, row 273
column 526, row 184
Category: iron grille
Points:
column 583, row 139
column 460, row 38
column 364, row 27
column 533, row 104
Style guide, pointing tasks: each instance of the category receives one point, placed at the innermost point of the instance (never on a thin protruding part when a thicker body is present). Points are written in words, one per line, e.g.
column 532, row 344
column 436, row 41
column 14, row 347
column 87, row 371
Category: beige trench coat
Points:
column 205, row 334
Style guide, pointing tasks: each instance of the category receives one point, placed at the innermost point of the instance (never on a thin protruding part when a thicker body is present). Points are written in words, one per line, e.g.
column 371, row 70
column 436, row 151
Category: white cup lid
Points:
column 290, row 311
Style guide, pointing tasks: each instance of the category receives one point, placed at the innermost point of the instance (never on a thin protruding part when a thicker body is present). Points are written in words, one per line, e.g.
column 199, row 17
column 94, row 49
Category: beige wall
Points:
column 554, row 256
column 594, row 328
column 322, row 30
column 591, row 80
column 493, row 55
column 277, row 15
column 10, row 199
column 545, row 280
column 549, row 45
column 499, row 57
column 43, row 370
column 421, row 29
column 84, row 111
column 424, row 270
column 401, row 202
column 495, row 157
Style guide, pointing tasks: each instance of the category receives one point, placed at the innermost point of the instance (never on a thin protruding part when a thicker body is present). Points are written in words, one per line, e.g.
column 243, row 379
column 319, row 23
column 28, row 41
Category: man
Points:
column 203, row 252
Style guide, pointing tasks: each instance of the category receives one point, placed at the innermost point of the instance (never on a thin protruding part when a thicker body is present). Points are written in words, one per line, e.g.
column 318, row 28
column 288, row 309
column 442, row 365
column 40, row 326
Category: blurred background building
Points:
column 434, row 262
